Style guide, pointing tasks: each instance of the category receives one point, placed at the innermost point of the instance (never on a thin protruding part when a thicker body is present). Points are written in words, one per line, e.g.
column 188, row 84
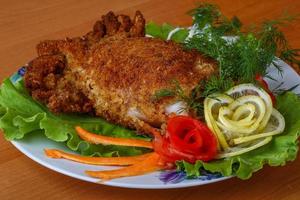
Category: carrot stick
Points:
column 100, row 139
column 148, row 165
column 54, row 153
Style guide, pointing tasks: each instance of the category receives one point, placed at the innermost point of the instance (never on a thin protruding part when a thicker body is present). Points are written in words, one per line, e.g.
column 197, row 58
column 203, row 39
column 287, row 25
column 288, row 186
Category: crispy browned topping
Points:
column 114, row 70
column 144, row 62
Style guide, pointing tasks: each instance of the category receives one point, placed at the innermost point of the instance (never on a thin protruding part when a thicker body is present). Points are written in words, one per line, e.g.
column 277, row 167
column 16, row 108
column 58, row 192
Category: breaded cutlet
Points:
column 113, row 72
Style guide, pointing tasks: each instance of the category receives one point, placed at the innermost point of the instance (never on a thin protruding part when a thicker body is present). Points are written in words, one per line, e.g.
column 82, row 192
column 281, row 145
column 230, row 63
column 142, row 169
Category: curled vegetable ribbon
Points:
column 134, row 165
column 240, row 117
column 249, row 116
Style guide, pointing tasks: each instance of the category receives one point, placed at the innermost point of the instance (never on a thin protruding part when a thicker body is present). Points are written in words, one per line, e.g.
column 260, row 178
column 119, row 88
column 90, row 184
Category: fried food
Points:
column 113, row 72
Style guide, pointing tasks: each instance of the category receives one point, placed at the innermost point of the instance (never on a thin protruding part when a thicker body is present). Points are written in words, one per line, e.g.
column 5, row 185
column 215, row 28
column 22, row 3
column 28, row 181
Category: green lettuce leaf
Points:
column 21, row 115
column 281, row 149
column 180, row 35
column 162, row 32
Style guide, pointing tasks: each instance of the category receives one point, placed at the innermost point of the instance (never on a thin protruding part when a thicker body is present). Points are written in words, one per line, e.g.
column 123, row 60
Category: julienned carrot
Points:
column 100, row 139
column 148, row 165
column 120, row 161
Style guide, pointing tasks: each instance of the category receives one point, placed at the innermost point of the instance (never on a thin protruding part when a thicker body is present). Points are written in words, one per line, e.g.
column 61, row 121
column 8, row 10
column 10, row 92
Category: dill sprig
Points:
column 159, row 94
column 192, row 100
column 195, row 99
column 206, row 14
column 240, row 58
column 249, row 54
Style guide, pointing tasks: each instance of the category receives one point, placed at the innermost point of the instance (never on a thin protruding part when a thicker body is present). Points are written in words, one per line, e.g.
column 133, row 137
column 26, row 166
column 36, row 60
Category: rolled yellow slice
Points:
column 243, row 150
column 277, row 118
column 225, row 112
column 243, row 119
column 209, row 104
column 248, row 88
column 243, row 110
column 230, row 125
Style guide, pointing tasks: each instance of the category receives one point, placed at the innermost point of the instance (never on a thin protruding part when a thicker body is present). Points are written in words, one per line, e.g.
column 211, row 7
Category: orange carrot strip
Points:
column 55, row 153
column 148, row 165
column 100, row 139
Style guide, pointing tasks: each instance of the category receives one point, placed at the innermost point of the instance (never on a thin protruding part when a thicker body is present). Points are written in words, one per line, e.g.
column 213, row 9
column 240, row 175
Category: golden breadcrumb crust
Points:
column 114, row 71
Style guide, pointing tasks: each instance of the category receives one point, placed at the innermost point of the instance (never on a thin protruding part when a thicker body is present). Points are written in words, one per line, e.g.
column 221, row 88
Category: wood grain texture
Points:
column 24, row 23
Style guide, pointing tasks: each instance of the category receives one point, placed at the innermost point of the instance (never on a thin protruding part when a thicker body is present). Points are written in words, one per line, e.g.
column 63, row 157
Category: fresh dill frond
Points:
column 292, row 56
column 229, row 27
column 205, row 14
column 159, row 94
column 272, row 38
column 216, row 85
column 247, row 53
column 208, row 14
column 193, row 100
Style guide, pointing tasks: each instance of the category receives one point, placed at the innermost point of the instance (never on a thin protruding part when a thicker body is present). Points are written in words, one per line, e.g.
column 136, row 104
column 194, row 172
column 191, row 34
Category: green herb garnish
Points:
column 244, row 54
column 249, row 54
column 159, row 94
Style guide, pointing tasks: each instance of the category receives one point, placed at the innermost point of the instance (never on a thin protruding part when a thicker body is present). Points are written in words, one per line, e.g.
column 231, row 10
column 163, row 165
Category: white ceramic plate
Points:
column 33, row 145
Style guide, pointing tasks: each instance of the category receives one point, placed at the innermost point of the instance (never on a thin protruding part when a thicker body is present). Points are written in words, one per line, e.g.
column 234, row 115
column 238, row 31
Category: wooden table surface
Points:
column 24, row 23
